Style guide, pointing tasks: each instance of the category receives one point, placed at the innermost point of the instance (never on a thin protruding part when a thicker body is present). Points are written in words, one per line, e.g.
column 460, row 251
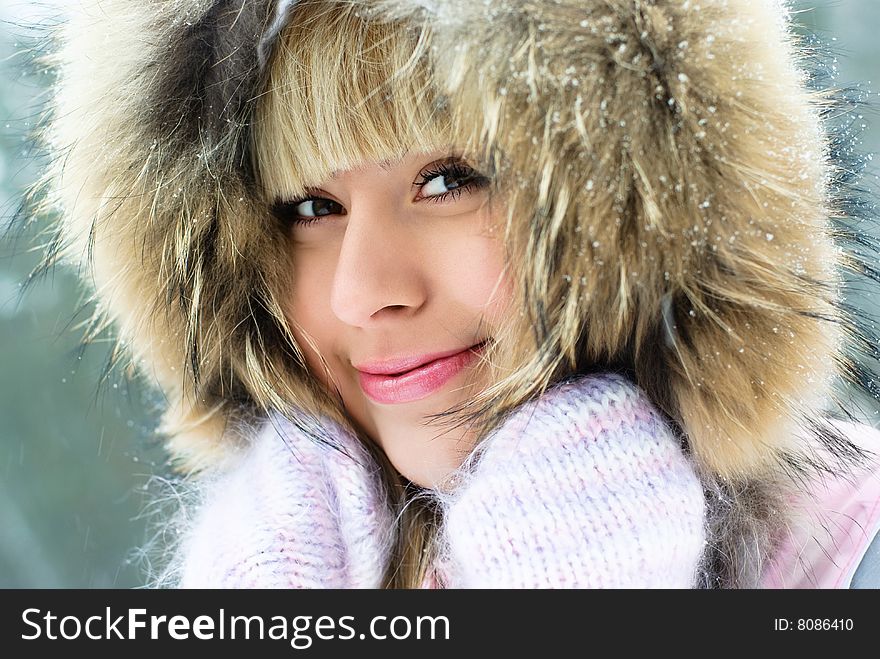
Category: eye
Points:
column 441, row 184
column 450, row 178
column 306, row 211
column 317, row 207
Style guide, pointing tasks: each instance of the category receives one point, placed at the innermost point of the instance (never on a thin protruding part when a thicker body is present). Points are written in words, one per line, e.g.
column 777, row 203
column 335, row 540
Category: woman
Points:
column 582, row 247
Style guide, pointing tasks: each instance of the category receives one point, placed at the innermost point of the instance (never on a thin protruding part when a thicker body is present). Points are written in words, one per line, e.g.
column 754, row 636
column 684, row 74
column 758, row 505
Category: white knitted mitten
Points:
column 584, row 488
column 292, row 513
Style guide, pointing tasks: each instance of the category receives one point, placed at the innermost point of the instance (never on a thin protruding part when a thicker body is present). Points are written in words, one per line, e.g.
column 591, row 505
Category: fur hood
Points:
column 675, row 212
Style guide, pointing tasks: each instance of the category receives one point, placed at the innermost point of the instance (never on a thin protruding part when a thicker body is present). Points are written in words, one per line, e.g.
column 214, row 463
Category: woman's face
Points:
column 398, row 280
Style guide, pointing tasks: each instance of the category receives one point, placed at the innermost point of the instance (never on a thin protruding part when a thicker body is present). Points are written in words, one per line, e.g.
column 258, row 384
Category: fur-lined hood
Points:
column 672, row 194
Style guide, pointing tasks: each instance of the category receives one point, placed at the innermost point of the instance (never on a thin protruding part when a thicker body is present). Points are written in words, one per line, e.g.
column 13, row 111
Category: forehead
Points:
column 411, row 159
column 385, row 165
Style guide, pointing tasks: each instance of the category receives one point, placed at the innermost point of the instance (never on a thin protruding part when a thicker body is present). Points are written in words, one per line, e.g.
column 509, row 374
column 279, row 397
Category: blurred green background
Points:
column 76, row 454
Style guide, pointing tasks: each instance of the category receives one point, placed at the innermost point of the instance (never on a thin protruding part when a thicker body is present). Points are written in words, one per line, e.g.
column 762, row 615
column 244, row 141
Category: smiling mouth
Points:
column 420, row 381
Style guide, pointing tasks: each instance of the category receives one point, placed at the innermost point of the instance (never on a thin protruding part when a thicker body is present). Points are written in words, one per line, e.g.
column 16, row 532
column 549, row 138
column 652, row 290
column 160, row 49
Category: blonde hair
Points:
column 342, row 89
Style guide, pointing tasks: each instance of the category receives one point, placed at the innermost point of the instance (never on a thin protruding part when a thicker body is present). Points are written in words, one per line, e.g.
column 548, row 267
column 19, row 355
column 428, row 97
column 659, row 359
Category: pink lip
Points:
column 414, row 378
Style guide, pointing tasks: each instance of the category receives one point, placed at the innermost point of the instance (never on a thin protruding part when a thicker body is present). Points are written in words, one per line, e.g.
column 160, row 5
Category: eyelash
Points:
column 455, row 170
column 474, row 180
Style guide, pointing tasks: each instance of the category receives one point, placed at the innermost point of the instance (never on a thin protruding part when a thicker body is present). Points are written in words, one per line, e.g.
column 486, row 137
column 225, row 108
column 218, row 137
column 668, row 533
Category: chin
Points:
column 426, row 457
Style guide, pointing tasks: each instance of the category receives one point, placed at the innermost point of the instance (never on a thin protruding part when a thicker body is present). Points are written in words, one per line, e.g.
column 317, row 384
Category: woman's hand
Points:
column 292, row 513
column 585, row 488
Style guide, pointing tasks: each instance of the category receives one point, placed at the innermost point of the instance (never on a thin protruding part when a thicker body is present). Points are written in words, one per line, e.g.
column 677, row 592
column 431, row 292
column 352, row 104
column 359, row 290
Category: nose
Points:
column 379, row 273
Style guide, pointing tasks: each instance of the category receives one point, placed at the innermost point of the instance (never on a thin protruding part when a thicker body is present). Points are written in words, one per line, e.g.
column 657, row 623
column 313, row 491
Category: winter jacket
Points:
column 678, row 213
column 835, row 535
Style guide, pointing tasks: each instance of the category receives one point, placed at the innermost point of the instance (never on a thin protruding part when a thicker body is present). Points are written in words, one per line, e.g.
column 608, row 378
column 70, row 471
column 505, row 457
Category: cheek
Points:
column 307, row 307
column 477, row 273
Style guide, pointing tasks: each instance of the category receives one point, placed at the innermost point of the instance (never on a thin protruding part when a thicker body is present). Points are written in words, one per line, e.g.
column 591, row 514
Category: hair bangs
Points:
column 343, row 89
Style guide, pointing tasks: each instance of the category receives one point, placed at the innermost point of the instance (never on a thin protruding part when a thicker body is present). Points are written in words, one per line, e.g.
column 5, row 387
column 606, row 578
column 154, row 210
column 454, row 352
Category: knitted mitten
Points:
column 292, row 513
column 585, row 488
